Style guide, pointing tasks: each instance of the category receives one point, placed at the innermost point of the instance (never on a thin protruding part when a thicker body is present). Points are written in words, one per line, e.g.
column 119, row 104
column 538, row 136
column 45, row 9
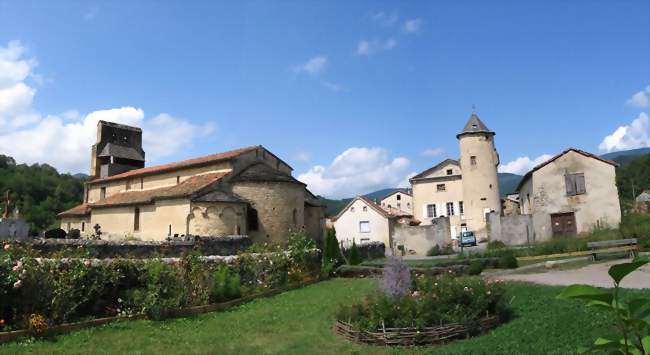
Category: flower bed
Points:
column 37, row 293
column 423, row 310
column 415, row 336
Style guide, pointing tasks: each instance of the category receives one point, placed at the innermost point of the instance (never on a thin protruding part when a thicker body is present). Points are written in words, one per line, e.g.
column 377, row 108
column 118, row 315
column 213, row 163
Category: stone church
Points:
column 465, row 190
column 244, row 191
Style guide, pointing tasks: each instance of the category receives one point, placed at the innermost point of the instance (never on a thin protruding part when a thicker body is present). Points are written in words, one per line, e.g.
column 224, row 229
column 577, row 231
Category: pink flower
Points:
column 18, row 284
column 7, row 246
column 19, row 263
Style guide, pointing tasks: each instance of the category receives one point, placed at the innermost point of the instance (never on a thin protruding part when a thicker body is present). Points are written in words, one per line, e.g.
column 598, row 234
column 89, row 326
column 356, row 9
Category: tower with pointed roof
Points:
column 478, row 161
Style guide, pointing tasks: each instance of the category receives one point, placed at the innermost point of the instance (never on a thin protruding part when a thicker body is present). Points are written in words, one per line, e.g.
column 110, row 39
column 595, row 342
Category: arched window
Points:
column 136, row 219
column 295, row 216
column 251, row 219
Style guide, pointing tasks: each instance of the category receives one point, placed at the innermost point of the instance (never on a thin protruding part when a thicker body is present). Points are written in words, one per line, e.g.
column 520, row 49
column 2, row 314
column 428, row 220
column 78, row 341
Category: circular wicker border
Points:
column 414, row 336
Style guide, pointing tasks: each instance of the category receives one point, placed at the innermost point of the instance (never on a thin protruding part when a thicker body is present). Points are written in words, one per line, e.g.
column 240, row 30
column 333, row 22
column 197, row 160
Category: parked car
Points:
column 467, row 239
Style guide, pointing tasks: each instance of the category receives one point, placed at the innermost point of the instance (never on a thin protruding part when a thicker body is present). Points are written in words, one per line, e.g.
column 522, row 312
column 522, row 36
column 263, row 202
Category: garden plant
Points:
column 632, row 317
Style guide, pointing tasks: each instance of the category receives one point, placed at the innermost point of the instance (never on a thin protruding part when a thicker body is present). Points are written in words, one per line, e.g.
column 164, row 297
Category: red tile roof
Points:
column 184, row 189
column 178, row 165
column 81, row 210
column 384, row 211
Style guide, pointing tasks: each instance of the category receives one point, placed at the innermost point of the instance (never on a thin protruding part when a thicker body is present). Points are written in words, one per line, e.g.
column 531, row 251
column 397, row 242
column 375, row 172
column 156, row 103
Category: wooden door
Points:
column 563, row 224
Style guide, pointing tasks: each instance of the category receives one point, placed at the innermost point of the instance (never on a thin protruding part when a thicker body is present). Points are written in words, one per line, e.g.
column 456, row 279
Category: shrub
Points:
column 495, row 244
column 437, row 250
column 475, row 267
column 225, row 284
column 508, row 261
column 331, row 252
column 299, row 245
column 162, row 294
column 355, row 258
column 74, row 234
column 432, row 301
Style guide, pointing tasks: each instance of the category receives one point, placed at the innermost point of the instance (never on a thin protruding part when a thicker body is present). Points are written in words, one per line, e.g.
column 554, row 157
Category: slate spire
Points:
column 474, row 125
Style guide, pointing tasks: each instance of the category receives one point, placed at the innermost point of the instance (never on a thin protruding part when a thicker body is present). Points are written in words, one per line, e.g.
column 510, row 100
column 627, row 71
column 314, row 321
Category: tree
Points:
column 355, row 257
column 331, row 252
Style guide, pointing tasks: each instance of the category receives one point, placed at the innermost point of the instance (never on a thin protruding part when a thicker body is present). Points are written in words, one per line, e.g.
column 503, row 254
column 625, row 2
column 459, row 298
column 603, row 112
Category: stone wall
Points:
column 419, row 239
column 511, row 230
column 228, row 245
column 279, row 205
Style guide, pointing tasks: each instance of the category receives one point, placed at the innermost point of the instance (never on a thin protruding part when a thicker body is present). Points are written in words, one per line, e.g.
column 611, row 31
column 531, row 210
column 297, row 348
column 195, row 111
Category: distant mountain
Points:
column 626, row 154
column 507, row 184
column 81, row 176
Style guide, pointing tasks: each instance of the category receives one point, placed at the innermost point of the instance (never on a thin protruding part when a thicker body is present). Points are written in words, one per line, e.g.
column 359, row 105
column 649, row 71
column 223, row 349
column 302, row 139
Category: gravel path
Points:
column 594, row 274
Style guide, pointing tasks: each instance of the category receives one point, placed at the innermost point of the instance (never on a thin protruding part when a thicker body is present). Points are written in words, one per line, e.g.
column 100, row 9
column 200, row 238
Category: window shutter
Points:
column 580, row 183
column 569, row 181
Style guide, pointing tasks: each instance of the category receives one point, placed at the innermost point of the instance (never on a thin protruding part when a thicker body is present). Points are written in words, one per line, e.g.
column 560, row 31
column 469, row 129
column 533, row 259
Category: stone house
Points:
column 363, row 221
column 464, row 190
column 400, row 199
column 571, row 193
column 244, row 191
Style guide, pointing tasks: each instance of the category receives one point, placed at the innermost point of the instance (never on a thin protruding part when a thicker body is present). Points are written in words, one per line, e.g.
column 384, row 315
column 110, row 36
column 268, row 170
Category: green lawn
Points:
column 298, row 322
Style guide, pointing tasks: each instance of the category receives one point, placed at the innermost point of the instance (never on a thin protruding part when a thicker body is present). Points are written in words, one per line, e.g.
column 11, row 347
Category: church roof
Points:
column 80, row 210
column 474, row 125
column 184, row 189
column 179, row 165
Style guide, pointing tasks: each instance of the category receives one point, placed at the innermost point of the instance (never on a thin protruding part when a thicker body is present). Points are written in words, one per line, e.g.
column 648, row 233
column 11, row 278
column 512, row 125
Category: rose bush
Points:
column 61, row 290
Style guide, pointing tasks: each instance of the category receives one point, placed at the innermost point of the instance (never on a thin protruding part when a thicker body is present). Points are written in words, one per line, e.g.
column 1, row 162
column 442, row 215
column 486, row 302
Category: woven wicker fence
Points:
column 414, row 336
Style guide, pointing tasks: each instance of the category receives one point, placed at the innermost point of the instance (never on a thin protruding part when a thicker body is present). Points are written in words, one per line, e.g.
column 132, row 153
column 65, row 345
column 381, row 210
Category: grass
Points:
column 424, row 263
column 299, row 321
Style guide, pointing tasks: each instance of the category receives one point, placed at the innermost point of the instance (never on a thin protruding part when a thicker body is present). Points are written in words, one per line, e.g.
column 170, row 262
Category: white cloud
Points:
column 634, row 135
column 412, row 26
column 432, row 152
column 64, row 140
column 522, row 165
column 640, row 99
column 369, row 47
column 334, row 86
column 313, row 66
column 302, row 156
column 385, row 19
column 405, row 183
column 357, row 170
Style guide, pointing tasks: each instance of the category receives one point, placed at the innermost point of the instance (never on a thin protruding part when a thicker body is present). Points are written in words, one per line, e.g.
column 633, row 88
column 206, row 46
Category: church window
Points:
column 83, row 226
column 472, row 160
column 136, row 219
column 252, row 219
column 178, row 180
column 450, row 208
column 141, row 183
column 102, row 193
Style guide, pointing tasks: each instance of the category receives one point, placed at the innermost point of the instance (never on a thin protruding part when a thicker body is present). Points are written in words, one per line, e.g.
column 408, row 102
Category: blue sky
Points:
column 355, row 95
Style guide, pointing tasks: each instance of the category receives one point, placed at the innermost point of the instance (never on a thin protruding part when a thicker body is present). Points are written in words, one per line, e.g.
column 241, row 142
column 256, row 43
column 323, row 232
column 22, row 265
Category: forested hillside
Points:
column 633, row 176
column 39, row 191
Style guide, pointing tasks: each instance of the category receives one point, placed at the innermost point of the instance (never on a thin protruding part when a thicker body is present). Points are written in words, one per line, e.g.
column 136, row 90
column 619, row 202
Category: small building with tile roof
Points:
column 243, row 191
column 400, row 199
column 364, row 221
column 572, row 193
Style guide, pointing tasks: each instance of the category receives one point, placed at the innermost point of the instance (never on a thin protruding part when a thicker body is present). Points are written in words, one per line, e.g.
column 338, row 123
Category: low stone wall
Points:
column 368, row 251
column 511, row 230
column 227, row 245
column 417, row 240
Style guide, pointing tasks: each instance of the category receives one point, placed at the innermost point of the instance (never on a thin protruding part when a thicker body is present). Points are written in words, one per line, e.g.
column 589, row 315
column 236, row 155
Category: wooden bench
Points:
column 630, row 246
